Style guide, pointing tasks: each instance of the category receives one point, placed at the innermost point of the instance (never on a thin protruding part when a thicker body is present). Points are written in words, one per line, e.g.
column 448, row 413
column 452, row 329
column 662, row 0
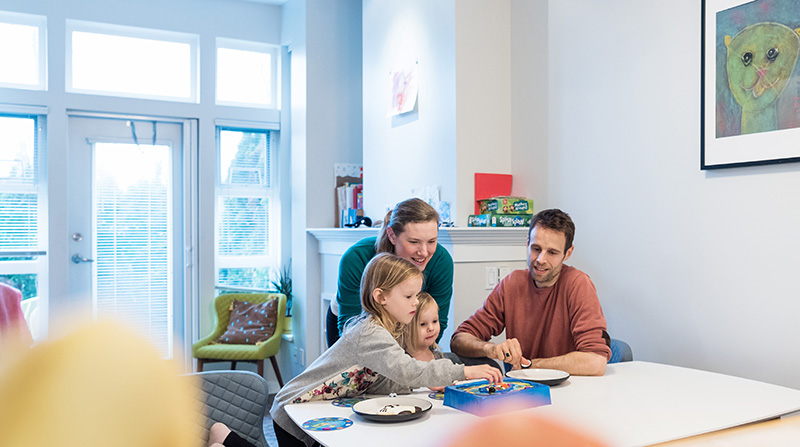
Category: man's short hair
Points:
column 555, row 219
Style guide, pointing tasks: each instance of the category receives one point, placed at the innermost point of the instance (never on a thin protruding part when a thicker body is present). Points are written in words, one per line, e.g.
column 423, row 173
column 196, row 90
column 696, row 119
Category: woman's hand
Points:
column 487, row 372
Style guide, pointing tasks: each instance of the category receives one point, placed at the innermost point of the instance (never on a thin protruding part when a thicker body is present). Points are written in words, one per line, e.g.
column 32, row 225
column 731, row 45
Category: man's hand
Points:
column 508, row 351
column 468, row 345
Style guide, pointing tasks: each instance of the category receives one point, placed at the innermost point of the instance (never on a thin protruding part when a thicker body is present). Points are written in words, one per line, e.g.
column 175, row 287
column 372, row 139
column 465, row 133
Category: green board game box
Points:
column 511, row 220
column 479, row 220
column 506, row 205
column 499, row 220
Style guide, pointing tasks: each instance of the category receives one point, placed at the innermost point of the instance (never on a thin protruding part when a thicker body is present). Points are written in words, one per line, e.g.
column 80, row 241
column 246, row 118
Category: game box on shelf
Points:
column 506, row 205
column 499, row 220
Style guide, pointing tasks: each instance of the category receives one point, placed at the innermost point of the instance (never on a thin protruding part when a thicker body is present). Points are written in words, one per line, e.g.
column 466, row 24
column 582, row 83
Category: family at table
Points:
column 392, row 303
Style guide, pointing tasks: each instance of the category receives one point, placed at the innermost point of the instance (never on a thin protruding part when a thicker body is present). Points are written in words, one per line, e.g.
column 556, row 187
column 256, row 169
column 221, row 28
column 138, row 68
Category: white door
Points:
column 127, row 187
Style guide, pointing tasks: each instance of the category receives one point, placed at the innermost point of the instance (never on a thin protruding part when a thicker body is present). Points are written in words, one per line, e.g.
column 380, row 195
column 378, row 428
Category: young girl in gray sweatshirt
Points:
column 369, row 357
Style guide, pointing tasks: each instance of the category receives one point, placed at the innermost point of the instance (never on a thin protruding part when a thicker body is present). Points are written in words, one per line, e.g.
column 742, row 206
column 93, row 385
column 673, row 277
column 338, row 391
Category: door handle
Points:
column 77, row 259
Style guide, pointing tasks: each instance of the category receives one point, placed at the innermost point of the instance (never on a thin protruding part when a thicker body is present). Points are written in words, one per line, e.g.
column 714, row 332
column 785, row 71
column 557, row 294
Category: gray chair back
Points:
column 238, row 399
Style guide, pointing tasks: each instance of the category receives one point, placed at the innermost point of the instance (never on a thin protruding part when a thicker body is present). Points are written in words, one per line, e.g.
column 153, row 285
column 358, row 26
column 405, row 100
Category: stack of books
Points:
column 350, row 200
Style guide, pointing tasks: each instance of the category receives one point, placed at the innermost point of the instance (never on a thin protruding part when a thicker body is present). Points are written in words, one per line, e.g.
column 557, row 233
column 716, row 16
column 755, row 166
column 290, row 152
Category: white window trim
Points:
column 273, row 258
column 193, row 40
column 39, row 266
column 40, row 22
column 246, row 45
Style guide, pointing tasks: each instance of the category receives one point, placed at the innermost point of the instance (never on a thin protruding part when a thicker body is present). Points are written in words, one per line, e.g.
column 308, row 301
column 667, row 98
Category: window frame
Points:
column 39, row 264
column 193, row 40
column 40, row 22
column 271, row 260
column 260, row 47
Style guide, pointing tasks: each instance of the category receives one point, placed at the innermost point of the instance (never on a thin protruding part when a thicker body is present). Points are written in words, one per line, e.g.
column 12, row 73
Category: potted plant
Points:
column 281, row 282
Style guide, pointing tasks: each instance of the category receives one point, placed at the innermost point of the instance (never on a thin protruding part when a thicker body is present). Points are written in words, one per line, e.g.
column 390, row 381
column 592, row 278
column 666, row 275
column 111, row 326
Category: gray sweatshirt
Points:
column 367, row 359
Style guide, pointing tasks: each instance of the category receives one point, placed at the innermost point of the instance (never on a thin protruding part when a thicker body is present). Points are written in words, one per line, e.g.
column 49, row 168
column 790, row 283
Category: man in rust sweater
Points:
column 550, row 311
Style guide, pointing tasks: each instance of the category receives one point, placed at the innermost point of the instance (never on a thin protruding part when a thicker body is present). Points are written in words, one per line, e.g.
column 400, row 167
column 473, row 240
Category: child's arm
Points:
column 381, row 353
column 387, row 386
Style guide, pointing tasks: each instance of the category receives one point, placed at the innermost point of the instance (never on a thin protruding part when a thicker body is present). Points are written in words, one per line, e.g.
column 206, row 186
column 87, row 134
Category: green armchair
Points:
column 205, row 350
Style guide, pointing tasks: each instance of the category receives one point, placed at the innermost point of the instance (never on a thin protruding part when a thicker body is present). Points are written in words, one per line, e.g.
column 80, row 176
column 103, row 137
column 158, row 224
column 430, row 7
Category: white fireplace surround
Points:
column 473, row 250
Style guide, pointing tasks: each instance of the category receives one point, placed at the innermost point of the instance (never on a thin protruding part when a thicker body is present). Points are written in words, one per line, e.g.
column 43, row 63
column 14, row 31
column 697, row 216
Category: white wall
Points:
column 483, row 96
column 529, row 100
column 418, row 148
column 693, row 268
column 462, row 123
column 325, row 41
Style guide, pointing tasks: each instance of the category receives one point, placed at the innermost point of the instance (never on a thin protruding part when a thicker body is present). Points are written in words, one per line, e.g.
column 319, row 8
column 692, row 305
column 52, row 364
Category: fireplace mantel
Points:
column 474, row 251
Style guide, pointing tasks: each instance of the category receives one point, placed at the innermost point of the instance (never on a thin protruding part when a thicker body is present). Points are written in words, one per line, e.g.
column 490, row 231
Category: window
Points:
column 23, row 263
column 245, row 248
column 132, row 189
column 247, row 73
column 23, row 50
column 133, row 62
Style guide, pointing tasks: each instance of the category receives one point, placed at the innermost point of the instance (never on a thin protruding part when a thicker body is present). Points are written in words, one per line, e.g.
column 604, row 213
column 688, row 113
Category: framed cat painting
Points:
column 750, row 83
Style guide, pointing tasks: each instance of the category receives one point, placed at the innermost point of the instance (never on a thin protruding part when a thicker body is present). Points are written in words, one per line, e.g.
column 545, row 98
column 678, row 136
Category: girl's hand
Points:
column 487, row 372
column 438, row 389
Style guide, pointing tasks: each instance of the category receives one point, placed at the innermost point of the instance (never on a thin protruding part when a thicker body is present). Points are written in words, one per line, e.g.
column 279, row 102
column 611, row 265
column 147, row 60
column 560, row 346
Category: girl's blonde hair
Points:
column 384, row 272
column 408, row 211
column 411, row 336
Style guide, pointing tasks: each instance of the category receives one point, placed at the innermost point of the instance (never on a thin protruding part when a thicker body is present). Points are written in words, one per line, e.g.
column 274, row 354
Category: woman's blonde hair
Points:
column 411, row 336
column 408, row 211
column 384, row 272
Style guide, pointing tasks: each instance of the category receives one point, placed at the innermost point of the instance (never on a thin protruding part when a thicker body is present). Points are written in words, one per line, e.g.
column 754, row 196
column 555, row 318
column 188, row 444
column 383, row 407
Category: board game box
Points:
column 506, row 205
column 479, row 220
column 483, row 398
column 499, row 220
column 511, row 220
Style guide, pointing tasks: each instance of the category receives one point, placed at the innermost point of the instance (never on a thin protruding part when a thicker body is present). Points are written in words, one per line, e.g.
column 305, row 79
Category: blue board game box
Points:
column 483, row 398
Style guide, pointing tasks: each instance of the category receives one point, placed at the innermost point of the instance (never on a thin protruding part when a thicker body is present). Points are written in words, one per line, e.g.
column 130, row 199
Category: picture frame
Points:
column 750, row 83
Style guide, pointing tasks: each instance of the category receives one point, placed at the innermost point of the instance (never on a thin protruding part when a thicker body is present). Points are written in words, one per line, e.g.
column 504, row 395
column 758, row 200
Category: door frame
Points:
column 190, row 202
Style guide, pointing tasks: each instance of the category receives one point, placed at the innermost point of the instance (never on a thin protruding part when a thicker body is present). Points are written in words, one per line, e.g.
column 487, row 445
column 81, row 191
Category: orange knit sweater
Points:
column 548, row 322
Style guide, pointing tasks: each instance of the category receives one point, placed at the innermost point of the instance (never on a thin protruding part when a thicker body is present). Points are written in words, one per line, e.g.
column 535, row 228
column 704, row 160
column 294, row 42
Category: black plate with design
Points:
column 392, row 409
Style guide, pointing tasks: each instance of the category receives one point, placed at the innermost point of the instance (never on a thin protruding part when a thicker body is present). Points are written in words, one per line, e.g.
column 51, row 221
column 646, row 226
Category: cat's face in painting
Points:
column 761, row 59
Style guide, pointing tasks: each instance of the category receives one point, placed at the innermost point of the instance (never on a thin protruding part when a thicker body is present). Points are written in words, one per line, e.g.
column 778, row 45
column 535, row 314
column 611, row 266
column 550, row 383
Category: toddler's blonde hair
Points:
column 411, row 336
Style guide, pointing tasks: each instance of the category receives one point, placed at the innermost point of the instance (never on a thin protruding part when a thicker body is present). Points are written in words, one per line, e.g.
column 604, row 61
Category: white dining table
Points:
column 633, row 404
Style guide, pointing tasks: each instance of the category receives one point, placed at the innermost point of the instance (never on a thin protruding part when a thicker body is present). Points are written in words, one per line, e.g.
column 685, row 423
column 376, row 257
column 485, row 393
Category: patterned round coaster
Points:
column 327, row 424
column 438, row 395
column 347, row 401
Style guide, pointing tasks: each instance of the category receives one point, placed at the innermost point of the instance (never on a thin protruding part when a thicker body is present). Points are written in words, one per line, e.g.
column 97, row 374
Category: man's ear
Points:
column 377, row 295
column 568, row 253
column 392, row 236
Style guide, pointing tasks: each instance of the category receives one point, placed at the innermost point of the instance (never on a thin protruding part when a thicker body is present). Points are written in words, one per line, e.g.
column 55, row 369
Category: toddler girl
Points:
column 368, row 358
column 421, row 334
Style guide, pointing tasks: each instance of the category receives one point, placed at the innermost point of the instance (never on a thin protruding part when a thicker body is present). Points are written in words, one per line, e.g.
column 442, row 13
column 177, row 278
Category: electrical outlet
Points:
column 491, row 277
column 299, row 357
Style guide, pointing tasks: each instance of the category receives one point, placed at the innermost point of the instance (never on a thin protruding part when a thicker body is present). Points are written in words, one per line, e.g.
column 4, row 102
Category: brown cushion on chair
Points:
column 250, row 323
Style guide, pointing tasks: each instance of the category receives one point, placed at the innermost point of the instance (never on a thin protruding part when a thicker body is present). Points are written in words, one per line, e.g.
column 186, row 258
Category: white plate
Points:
column 380, row 409
column 544, row 376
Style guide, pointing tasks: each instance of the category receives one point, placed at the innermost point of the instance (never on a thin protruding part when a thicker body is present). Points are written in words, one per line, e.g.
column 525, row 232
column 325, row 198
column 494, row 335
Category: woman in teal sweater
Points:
column 410, row 231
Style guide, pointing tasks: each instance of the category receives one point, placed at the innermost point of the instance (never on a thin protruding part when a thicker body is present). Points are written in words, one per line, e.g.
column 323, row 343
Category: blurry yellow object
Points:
column 102, row 385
